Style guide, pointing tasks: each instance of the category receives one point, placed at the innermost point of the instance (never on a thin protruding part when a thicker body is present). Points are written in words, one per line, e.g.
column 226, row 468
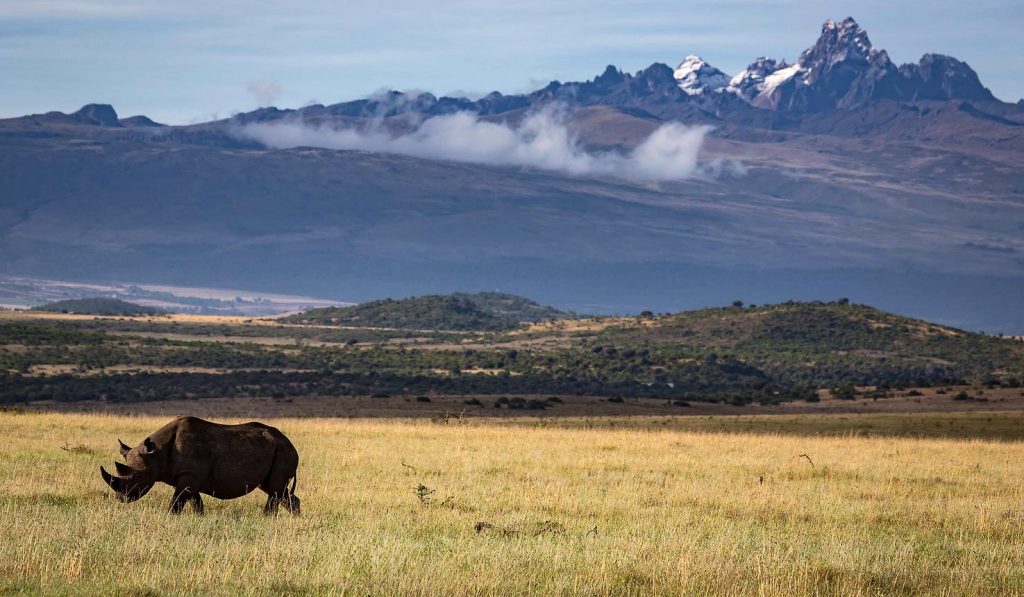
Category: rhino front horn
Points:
column 115, row 483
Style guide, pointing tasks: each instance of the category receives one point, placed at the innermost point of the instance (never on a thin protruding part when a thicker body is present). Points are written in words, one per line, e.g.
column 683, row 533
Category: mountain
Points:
column 835, row 174
column 482, row 311
column 842, row 70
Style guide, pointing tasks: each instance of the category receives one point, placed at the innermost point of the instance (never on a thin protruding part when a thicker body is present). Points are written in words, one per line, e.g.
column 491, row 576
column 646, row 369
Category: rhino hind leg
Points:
column 284, row 498
column 273, row 504
column 292, row 503
column 276, row 485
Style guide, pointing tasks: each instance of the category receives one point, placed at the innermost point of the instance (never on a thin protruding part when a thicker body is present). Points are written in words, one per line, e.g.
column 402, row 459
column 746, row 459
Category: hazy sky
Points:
column 183, row 61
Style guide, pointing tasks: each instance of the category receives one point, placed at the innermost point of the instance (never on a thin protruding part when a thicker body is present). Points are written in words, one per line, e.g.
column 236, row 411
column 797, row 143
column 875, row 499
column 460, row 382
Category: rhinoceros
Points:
column 198, row 457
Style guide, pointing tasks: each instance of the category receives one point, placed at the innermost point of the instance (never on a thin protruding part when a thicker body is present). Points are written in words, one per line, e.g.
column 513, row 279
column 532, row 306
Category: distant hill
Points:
column 817, row 344
column 97, row 306
column 482, row 311
column 766, row 354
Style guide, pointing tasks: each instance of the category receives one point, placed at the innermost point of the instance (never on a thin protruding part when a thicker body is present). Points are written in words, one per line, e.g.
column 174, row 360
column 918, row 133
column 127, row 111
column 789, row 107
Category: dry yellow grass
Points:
column 627, row 511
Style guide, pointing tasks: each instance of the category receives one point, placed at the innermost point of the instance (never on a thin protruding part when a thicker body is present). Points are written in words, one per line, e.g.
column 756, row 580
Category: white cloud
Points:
column 541, row 141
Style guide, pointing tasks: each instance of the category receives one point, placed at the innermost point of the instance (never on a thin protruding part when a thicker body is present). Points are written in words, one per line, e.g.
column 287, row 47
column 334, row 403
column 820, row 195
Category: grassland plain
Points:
column 590, row 510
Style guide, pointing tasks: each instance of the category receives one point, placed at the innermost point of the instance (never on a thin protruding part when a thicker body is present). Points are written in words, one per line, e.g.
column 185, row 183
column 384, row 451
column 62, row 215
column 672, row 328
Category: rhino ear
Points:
column 123, row 448
column 148, row 446
column 123, row 469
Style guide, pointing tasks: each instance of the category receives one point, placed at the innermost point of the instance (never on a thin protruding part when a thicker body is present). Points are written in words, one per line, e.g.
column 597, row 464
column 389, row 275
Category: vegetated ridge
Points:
column 481, row 311
column 764, row 354
column 97, row 306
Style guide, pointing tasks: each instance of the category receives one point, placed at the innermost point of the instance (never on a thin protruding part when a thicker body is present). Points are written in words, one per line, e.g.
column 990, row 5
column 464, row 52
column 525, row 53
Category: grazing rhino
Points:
column 199, row 457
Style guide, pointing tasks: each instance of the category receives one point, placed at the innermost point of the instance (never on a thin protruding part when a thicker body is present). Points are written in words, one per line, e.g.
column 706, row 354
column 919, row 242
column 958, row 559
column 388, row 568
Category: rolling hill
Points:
column 482, row 311
column 766, row 354
column 97, row 306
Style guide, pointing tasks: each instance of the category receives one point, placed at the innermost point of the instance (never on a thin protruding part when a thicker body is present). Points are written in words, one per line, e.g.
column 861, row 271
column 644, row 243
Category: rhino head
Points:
column 138, row 474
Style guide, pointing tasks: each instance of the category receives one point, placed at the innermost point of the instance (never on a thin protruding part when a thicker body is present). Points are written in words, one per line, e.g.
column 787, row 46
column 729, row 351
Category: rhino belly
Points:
column 232, row 481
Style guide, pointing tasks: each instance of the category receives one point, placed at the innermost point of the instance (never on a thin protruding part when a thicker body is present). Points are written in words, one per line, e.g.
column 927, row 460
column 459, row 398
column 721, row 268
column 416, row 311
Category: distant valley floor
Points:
column 989, row 413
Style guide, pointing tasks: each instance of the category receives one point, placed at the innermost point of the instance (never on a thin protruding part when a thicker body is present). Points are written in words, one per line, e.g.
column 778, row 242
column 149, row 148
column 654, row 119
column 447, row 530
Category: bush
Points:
column 844, row 393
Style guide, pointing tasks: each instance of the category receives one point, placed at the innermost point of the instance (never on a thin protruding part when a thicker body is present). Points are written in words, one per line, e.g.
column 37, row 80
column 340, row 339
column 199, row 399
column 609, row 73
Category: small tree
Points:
column 737, row 303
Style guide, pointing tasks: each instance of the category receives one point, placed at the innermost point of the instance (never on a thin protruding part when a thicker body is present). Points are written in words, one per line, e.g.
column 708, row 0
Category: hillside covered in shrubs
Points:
column 482, row 311
column 98, row 306
column 737, row 354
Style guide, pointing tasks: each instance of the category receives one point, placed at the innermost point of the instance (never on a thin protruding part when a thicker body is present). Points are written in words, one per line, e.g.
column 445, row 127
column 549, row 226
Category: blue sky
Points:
column 185, row 61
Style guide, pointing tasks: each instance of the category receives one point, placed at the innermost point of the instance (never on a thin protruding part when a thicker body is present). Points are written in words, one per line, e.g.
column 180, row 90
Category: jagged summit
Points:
column 697, row 77
column 754, row 80
column 844, row 70
column 845, row 40
column 97, row 114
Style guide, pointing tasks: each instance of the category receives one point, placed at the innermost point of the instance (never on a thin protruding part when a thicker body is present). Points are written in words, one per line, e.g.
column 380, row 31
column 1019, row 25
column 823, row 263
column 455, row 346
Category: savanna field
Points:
column 687, row 506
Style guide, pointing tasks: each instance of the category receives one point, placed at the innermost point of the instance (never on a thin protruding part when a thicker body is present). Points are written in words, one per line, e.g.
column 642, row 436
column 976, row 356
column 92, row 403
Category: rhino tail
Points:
column 295, row 480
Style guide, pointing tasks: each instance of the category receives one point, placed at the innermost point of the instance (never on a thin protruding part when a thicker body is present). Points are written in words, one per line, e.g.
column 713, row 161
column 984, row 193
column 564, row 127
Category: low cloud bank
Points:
column 541, row 141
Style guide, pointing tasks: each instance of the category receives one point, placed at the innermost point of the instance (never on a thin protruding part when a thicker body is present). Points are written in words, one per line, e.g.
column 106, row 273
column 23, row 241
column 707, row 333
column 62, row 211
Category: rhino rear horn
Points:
column 115, row 483
column 123, row 448
column 123, row 469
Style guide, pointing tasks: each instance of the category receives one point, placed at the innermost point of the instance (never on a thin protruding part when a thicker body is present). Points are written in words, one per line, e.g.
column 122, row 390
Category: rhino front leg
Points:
column 184, row 492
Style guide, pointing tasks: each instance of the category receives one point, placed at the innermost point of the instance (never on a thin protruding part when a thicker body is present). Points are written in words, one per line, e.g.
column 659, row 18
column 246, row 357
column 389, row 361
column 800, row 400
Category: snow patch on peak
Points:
column 762, row 75
column 696, row 77
column 780, row 76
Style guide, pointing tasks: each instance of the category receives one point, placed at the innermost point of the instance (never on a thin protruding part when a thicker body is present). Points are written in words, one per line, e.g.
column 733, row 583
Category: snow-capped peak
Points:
column 697, row 77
